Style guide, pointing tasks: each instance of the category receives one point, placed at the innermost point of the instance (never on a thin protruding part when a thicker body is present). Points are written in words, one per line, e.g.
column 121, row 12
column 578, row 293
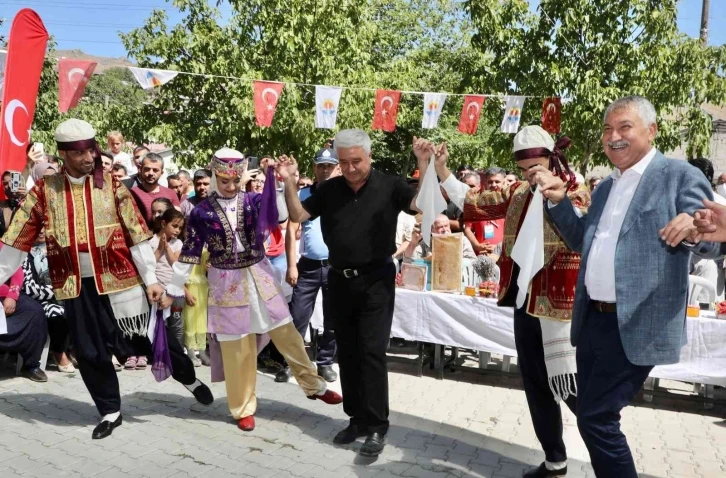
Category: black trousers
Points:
column 27, row 331
column 362, row 310
column 60, row 339
column 96, row 336
column 544, row 410
column 606, row 383
column 313, row 276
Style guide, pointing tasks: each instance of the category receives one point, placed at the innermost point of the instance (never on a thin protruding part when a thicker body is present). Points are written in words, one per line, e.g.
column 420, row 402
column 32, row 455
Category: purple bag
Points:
column 161, row 363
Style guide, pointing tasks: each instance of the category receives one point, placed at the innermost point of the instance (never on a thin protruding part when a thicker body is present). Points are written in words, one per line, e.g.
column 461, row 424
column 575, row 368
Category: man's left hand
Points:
column 154, row 292
column 679, row 229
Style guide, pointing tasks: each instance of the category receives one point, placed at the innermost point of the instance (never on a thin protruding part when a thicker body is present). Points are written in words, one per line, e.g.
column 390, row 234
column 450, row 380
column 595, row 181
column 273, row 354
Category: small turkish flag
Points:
column 384, row 115
column 266, row 95
column 551, row 115
column 470, row 113
column 73, row 76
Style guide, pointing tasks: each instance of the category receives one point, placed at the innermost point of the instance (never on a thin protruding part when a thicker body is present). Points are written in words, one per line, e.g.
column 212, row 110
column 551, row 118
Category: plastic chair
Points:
column 695, row 285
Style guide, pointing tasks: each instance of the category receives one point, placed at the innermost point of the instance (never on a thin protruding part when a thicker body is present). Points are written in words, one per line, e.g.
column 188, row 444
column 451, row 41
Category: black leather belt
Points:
column 362, row 270
column 321, row 262
column 604, row 307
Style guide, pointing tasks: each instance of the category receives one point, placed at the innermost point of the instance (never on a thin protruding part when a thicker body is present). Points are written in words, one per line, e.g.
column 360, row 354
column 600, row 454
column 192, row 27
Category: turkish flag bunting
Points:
column 384, row 115
column 551, row 115
column 73, row 76
column 266, row 95
column 24, row 63
column 470, row 113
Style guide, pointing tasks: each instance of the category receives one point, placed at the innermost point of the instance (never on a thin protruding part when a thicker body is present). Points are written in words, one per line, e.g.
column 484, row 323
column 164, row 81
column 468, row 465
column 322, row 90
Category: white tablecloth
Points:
column 703, row 358
column 478, row 324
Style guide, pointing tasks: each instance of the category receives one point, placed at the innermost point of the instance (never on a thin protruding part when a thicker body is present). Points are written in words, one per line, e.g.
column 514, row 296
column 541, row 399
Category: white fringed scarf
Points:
column 528, row 253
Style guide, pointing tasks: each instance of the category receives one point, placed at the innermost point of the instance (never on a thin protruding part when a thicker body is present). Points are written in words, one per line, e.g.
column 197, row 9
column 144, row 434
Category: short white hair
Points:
column 644, row 108
column 352, row 138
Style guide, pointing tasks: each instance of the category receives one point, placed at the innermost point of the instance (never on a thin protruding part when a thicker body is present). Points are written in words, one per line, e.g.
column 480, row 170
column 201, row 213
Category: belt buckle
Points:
column 350, row 273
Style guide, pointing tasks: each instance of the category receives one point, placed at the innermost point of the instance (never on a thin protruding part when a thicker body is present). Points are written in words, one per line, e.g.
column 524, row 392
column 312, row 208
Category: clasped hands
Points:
column 157, row 295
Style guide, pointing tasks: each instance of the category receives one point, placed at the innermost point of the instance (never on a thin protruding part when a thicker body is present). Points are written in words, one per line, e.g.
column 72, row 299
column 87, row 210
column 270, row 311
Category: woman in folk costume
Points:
column 244, row 297
column 539, row 282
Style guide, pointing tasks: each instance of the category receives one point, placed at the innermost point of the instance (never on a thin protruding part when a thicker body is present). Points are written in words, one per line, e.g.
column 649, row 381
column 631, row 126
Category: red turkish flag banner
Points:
column 73, row 76
column 470, row 113
column 551, row 115
column 266, row 95
column 386, row 110
column 24, row 63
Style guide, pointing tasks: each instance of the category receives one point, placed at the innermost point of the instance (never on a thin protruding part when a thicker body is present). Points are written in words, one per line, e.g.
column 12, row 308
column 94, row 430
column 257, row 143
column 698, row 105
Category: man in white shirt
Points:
column 630, row 298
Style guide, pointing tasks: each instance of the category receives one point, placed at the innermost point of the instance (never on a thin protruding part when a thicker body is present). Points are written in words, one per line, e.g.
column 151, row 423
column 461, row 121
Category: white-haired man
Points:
column 358, row 214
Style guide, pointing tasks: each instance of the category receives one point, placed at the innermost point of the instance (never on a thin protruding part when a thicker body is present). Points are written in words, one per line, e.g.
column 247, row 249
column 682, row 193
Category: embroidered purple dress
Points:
column 244, row 296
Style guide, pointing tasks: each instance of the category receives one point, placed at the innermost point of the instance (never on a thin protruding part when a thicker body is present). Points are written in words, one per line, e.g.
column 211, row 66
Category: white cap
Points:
column 227, row 153
column 532, row 137
column 74, row 130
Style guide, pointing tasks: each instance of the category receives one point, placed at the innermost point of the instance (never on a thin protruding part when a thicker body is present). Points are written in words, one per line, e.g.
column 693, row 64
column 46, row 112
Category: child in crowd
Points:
column 116, row 144
column 167, row 244
column 158, row 208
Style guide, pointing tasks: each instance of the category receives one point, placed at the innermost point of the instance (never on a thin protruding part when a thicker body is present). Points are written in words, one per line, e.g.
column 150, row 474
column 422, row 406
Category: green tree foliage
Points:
column 592, row 52
column 413, row 45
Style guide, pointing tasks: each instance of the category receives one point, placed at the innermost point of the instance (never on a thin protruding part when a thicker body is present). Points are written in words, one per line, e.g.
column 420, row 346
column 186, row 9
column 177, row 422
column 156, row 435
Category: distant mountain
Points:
column 104, row 63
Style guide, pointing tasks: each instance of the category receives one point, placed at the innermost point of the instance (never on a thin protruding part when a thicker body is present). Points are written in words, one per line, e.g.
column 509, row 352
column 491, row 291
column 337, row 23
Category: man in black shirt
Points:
column 358, row 214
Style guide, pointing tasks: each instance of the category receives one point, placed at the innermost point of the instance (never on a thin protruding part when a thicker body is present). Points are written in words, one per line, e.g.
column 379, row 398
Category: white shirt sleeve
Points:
column 456, row 191
column 182, row 270
column 10, row 260
column 145, row 261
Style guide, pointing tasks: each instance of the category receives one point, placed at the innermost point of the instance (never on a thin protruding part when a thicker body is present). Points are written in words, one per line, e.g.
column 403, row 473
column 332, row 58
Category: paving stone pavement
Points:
column 465, row 426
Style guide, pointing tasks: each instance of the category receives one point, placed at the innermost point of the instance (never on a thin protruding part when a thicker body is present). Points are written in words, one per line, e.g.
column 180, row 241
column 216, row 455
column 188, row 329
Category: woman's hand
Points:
column 9, row 305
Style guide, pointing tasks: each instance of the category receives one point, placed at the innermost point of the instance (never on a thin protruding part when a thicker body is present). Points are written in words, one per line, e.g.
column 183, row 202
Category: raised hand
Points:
column 442, row 155
column 551, row 186
column 286, row 167
column 423, row 149
column 267, row 162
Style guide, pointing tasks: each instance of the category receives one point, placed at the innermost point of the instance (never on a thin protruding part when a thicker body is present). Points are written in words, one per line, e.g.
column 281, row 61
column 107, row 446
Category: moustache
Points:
column 618, row 144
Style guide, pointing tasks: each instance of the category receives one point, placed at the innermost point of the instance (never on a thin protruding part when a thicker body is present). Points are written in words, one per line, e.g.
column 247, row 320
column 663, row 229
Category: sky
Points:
column 93, row 25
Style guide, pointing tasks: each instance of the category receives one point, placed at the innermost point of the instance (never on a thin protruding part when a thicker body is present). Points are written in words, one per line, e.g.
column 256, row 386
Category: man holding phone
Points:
column 543, row 311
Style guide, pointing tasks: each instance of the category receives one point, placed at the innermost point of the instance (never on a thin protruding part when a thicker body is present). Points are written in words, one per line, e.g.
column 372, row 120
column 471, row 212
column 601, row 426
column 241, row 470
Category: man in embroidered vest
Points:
column 540, row 285
column 99, row 258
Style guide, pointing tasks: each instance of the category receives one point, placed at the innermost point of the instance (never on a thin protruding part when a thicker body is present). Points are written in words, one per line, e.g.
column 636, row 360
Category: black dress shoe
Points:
column 542, row 472
column 327, row 372
column 36, row 374
column 203, row 394
column 349, row 435
column 105, row 428
column 283, row 375
column 373, row 445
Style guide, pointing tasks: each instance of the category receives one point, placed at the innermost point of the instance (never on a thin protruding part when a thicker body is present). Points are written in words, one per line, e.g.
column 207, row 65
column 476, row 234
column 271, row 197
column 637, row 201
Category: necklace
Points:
column 228, row 204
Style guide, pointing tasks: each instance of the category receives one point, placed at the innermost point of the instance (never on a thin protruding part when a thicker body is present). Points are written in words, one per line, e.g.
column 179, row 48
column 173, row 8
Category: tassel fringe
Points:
column 562, row 386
